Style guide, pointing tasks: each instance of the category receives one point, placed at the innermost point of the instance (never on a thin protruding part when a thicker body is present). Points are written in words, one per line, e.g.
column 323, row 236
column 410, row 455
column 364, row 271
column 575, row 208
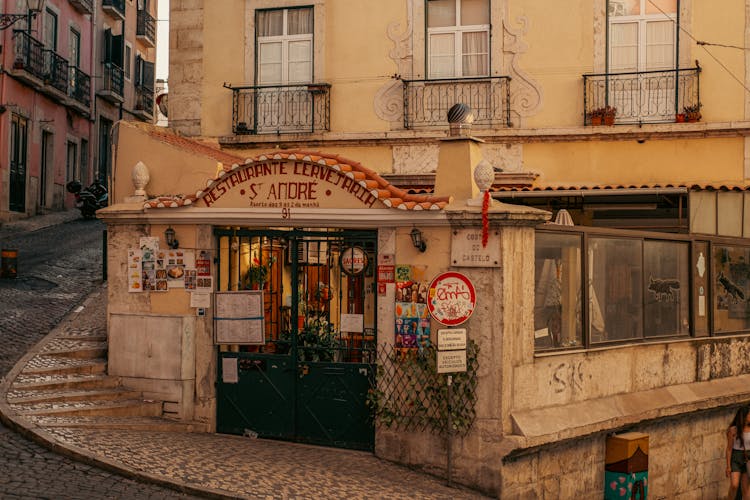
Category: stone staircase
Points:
column 65, row 384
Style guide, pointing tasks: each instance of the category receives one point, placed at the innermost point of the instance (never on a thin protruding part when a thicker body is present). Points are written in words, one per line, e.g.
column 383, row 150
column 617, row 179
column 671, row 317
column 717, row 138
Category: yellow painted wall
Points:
column 628, row 162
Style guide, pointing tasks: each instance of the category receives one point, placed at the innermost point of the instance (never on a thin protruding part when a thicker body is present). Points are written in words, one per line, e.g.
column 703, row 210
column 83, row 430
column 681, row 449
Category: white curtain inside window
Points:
column 299, row 21
column 475, row 12
column 270, row 23
column 475, row 54
column 300, row 63
column 442, row 55
column 269, row 67
column 623, row 40
column 659, row 44
column 441, row 13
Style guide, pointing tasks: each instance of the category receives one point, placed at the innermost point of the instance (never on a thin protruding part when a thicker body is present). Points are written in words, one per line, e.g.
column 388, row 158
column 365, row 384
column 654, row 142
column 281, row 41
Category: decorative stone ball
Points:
column 140, row 177
column 484, row 175
column 460, row 113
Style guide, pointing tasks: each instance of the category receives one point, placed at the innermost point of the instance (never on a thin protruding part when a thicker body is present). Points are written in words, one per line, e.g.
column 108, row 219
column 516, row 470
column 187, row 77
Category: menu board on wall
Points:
column 238, row 317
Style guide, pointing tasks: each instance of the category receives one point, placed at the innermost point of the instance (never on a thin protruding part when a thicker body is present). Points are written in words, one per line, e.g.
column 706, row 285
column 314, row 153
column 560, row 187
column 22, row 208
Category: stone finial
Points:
column 484, row 175
column 140, row 177
column 460, row 119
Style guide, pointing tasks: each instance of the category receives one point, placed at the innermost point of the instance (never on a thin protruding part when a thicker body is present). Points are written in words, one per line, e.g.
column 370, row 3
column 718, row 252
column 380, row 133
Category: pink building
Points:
column 45, row 104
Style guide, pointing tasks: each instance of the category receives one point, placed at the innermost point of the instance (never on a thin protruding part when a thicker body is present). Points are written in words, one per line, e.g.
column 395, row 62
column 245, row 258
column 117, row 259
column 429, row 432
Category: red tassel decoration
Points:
column 485, row 218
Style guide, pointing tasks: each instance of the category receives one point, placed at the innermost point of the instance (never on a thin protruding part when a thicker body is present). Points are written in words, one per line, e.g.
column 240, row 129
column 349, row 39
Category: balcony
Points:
column 28, row 63
column 79, row 88
column 112, row 83
column 83, row 6
column 144, row 103
column 56, row 71
column 279, row 109
column 642, row 97
column 115, row 8
column 426, row 102
column 145, row 30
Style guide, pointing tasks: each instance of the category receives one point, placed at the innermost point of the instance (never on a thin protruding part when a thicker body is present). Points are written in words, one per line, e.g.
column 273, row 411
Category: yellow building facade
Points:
column 311, row 168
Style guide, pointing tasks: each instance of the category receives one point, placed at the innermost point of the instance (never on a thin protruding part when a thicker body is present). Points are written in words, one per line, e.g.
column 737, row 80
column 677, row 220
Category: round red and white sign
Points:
column 452, row 298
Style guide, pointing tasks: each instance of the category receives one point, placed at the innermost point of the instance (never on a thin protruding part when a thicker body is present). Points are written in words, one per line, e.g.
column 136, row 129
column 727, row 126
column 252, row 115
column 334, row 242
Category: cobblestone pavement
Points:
column 200, row 463
column 59, row 265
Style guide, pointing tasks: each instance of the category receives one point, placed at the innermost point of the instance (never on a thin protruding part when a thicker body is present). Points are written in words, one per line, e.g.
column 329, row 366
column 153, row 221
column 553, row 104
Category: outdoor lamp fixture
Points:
column 34, row 7
column 417, row 241
column 169, row 235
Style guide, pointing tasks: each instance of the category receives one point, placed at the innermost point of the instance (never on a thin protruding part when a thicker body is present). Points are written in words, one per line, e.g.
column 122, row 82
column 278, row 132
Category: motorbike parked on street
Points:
column 90, row 199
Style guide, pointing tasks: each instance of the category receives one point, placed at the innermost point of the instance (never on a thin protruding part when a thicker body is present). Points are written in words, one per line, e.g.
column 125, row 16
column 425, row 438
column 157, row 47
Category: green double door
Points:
column 310, row 380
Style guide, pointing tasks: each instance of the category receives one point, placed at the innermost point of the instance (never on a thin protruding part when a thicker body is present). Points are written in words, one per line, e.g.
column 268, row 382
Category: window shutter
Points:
column 118, row 48
column 624, row 46
column 660, row 45
column 442, row 55
column 269, row 65
column 107, row 53
column 137, row 80
column 147, row 76
column 300, row 61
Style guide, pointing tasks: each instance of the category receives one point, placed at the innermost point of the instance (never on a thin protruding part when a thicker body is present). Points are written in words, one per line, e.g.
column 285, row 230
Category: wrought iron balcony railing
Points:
column 29, row 54
column 297, row 108
column 144, row 100
column 642, row 97
column 79, row 86
column 146, row 26
column 112, row 78
column 114, row 7
column 56, row 70
column 426, row 102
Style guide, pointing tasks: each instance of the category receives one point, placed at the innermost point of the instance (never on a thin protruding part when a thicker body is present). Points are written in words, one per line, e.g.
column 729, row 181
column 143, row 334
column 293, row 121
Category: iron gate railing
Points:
column 56, row 70
column 426, row 102
column 79, row 87
column 644, row 96
column 145, row 25
column 29, row 54
column 112, row 78
column 265, row 109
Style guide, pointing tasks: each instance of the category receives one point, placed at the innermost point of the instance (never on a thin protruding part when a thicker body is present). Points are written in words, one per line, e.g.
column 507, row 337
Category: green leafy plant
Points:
column 258, row 273
column 692, row 112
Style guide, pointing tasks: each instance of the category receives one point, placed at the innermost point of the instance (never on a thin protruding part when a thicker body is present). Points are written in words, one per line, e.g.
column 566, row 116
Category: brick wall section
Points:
column 185, row 65
column 686, row 461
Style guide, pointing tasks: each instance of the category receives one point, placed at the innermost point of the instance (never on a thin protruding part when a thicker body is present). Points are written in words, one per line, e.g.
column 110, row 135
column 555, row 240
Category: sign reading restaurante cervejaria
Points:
column 287, row 184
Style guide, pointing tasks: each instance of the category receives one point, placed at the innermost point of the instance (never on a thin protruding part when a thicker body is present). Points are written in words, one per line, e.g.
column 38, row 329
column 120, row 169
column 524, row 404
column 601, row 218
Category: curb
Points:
column 35, row 433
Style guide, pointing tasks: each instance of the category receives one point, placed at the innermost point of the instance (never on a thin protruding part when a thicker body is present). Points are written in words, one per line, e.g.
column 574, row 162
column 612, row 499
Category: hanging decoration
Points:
column 485, row 219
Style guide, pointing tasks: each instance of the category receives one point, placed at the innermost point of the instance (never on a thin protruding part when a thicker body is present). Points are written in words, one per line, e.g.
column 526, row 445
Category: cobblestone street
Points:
column 58, row 267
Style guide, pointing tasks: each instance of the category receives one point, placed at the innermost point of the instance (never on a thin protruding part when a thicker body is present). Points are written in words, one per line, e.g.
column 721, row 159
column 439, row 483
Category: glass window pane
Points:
column 269, row 67
column 270, row 23
column 702, row 212
column 300, row 21
column 624, row 46
column 615, row 295
column 475, row 54
column 659, row 44
column 624, row 7
column 557, row 291
column 661, row 6
column 441, row 13
column 666, row 268
column 729, row 206
column 731, row 288
column 475, row 12
column 300, row 61
column 442, row 55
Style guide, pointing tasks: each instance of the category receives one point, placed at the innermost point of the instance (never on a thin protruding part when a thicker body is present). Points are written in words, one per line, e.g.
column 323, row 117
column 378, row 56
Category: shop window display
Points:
column 731, row 278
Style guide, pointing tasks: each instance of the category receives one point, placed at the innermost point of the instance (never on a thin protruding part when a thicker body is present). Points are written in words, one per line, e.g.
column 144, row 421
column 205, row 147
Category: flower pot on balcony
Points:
column 679, row 118
column 596, row 120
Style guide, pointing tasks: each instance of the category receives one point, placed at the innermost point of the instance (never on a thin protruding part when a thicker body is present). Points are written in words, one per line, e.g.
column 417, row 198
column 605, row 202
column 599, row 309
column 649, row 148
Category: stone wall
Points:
column 185, row 65
column 686, row 461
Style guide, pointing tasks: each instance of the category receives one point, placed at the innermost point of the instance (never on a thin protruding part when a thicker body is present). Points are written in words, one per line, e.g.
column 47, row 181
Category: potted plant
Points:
column 257, row 274
column 603, row 116
column 692, row 113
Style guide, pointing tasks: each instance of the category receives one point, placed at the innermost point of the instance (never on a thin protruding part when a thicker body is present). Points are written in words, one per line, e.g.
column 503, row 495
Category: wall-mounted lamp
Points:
column 169, row 235
column 417, row 241
column 34, row 7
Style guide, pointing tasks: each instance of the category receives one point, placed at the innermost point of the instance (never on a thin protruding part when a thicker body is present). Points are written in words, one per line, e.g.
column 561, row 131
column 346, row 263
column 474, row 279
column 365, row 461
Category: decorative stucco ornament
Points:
column 484, row 175
column 140, row 178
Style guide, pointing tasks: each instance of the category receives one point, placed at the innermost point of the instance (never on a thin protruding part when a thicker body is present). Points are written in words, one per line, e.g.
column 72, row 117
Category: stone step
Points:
column 128, row 407
column 53, row 365
column 121, row 423
column 36, row 396
column 75, row 348
column 90, row 353
column 62, row 382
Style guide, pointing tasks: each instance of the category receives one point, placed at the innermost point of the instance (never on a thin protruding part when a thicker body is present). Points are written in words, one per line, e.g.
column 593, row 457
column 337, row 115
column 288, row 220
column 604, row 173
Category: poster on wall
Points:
column 177, row 262
column 412, row 316
column 135, row 266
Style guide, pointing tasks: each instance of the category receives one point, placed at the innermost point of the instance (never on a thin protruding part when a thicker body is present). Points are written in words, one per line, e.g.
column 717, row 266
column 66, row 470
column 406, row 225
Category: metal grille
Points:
column 281, row 109
column 56, row 70
column 642, row 97
column 29, row 54
column 145, row 25
column 79, row 87
column 411, row 395
column 426, row 102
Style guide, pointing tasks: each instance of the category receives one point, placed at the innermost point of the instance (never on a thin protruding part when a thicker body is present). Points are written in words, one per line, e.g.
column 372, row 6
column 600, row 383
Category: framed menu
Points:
column 238, row 317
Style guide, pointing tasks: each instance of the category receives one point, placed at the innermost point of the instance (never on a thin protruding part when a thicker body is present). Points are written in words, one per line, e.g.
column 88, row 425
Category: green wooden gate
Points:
column 309, row 381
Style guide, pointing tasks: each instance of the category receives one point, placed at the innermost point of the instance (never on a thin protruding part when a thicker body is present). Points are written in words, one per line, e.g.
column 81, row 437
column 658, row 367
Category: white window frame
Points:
column 642, row 20
column 458, row 32
column 285, row 41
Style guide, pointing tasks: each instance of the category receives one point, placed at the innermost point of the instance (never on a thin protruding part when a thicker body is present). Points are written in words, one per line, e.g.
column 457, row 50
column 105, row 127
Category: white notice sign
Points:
column 352, row 323
column 467, row 249
column 229, row 372
column 451, row 339
column 451, row 361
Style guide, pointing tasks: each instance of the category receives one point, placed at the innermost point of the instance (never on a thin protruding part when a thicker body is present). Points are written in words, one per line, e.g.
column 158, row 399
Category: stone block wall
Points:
column 686, row 461
column 185, row 66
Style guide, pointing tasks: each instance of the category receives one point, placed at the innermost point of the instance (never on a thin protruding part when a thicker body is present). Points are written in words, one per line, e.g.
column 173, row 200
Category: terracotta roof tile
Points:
column 390, row 195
